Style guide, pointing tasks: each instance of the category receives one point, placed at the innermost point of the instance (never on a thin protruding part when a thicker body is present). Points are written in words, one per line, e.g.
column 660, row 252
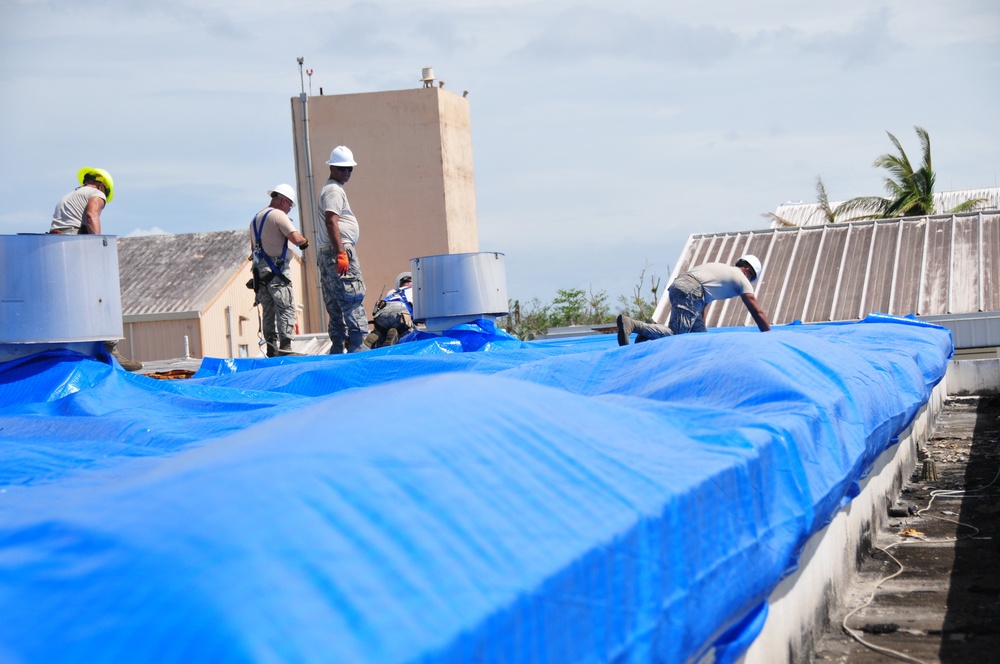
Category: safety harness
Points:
column 259, row 252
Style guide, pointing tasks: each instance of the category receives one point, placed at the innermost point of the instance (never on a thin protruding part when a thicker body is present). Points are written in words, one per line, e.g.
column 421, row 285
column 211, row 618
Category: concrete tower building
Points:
column 413, row 189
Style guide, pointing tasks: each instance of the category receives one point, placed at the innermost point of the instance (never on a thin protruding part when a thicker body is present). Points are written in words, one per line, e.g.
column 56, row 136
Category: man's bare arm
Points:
column 758, row 315
column 333, row 230
column 92, row 215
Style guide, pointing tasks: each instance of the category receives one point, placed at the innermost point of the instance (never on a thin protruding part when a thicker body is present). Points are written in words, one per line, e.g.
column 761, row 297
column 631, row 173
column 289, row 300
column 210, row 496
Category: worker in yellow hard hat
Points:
column 79, row 211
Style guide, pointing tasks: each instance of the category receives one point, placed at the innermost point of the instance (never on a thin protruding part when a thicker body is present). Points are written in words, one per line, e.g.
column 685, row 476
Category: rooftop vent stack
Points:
column 452, row 289
column 58, row 291
column 427, row 76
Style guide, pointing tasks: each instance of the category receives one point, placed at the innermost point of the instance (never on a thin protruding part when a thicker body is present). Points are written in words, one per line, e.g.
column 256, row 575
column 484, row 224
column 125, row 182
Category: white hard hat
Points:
column 285, row 190
column 754, row 264
column 401, row 276
column 341, row 156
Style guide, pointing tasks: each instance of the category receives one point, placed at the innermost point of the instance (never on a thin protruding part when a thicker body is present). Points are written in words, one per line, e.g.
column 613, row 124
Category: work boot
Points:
column 127, row 364
column 285, row 347
column 371, row 341
column 272, row 346
column 625, row 327
column 391, row 337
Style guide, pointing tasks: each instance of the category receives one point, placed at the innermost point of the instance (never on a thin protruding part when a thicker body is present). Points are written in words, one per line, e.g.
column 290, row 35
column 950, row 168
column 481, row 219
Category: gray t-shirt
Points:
column 332, row 198
column 68, row 215
column 720, row 281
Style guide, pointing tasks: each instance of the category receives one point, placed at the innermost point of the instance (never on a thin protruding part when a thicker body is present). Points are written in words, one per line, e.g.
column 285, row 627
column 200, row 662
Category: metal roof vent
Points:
column 58, row 291
column 452, row 289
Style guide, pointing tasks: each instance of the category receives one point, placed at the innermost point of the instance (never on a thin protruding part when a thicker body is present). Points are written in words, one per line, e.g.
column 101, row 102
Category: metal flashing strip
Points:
column 151, row 318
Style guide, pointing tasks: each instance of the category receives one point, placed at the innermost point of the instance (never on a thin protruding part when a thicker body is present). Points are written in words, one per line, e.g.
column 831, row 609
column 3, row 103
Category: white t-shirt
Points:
column 68, row 215
column 276, row 228
column 332, row 198
column 720, row 281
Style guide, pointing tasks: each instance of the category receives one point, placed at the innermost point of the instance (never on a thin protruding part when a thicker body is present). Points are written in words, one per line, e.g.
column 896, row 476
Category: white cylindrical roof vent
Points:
column 59, row 288
column 451, row 289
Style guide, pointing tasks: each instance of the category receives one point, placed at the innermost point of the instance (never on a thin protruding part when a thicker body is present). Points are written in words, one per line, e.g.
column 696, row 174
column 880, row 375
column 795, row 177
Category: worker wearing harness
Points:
column 393, row 316
column 272, row 229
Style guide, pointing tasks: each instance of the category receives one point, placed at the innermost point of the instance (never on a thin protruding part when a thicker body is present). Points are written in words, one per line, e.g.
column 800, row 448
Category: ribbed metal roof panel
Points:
column 927, row 266
column 810, row 214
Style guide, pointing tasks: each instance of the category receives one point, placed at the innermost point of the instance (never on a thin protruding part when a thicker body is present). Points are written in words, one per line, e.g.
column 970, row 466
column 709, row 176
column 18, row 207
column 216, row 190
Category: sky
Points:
column 603, row 134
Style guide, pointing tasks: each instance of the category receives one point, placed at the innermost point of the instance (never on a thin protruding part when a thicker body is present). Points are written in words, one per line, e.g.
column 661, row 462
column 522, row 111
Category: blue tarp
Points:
column 466, row 498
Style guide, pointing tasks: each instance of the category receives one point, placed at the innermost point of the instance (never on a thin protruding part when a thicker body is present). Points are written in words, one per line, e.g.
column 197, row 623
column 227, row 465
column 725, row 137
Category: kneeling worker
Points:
column 690, row 292
column 271, row 231
column 393, row 314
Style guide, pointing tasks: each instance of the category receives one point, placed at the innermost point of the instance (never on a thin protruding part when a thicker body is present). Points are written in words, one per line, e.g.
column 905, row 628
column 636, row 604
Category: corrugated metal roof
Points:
column 927, row 266
column 810, row 214
column 170, row 274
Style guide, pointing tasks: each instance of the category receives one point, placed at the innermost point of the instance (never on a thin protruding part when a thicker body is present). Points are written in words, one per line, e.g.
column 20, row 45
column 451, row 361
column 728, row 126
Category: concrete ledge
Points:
column 800, row 605
column 981, row 376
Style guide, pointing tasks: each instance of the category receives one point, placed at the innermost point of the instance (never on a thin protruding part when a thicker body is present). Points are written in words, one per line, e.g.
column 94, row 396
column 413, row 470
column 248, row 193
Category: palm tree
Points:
column 829, row 214
column 911, row 191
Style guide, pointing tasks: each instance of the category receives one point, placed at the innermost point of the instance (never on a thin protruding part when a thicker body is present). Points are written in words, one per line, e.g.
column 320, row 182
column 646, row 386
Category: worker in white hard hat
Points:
column 691, row 291
column 79, row 211
column 393, row 315
column 270, row 232
column 339, row 267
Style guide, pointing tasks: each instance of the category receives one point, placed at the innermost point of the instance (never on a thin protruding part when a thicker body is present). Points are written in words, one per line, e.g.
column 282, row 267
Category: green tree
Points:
column 910, row 190
column 569, row 307
column 526, row 321
column 575, row 306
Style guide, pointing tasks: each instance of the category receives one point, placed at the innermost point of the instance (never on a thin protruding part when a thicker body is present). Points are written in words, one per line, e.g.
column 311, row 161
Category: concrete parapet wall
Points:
column 966, row 377
column 800, row 605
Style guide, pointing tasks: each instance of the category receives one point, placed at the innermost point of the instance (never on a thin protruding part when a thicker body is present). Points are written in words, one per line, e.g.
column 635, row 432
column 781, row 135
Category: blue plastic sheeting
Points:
column 525, row 502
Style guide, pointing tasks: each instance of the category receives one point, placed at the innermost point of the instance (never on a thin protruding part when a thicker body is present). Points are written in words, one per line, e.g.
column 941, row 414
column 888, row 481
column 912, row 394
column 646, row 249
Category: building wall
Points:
column 230, row 314
column 147, row 341
column 413, row 190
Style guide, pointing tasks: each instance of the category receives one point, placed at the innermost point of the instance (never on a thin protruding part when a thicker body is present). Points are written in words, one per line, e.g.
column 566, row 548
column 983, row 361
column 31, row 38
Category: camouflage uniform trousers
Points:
column 394, row 315
column 278, row 304
column 687, row 302
column 344, row 297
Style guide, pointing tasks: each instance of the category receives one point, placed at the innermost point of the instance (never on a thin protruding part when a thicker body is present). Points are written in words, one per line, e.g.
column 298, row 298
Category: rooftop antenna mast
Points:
column 309, row 188
column 309, row 73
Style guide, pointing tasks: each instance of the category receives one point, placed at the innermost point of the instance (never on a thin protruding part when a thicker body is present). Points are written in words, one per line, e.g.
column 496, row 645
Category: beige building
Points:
column 186, row 296
column 413, row 189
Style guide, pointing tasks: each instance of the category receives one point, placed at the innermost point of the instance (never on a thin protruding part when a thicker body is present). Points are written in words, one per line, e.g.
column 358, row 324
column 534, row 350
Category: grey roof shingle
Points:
column 162, row 274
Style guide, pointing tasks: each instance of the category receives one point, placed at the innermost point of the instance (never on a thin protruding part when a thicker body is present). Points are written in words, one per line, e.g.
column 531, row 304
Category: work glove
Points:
column 304, row 245
column 343, row 263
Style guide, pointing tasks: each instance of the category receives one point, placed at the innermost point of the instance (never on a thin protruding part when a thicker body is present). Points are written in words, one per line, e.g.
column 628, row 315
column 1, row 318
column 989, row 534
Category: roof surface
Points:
column 925, row 266
column 163, row 274
column 810, row 214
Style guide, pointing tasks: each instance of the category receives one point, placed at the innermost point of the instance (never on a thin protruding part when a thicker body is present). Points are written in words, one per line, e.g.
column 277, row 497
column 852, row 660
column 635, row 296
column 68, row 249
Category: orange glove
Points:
column 343, row 264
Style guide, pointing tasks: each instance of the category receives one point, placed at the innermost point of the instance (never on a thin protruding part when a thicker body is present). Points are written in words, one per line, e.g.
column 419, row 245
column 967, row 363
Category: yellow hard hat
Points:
column 101, row 175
